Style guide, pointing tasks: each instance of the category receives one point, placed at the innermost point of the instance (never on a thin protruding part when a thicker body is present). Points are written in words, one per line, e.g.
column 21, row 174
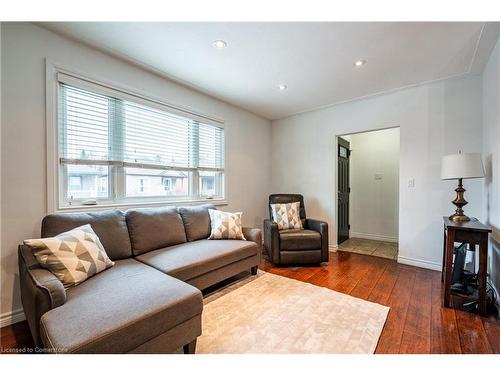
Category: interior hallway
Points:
column 380, row 249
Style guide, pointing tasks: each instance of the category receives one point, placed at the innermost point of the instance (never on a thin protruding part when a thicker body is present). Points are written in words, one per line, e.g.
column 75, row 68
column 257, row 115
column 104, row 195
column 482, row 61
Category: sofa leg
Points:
column 190, row 348
column 254, row 270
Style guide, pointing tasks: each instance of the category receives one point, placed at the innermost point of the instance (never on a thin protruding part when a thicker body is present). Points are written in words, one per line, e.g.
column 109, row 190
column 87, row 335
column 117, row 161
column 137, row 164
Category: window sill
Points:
column 97, row 207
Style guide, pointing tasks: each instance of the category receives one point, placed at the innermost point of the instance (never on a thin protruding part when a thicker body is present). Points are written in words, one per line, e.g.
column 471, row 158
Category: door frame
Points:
column 344, row 143
column 335, row 175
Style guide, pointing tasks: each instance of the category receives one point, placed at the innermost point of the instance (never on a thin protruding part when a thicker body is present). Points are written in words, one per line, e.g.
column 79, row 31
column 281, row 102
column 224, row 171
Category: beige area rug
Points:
column 273, row 314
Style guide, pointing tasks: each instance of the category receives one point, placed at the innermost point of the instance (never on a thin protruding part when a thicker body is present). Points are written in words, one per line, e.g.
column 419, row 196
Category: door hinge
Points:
column 349, row 226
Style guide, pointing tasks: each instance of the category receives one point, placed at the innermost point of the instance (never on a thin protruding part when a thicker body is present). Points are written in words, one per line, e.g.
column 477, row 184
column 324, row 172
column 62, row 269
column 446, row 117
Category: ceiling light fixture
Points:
column 359, row 62
column 219, row 44
column 282, row 87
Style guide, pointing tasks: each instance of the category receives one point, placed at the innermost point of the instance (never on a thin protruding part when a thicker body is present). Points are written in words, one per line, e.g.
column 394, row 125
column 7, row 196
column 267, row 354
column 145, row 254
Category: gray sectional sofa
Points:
column 150, row 300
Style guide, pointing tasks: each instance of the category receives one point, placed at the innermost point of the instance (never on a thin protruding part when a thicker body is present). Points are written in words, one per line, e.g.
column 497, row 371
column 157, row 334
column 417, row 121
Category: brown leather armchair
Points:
column 294, row 246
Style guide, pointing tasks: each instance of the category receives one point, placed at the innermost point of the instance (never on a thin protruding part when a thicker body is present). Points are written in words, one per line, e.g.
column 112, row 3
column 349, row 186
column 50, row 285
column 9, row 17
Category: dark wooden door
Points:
column 343, row 190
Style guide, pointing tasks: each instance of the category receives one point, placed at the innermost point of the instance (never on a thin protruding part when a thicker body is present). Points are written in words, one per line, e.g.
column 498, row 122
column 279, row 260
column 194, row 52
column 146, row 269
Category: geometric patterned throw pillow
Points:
column 225, row 225
column 72, row 256
column 286, row 215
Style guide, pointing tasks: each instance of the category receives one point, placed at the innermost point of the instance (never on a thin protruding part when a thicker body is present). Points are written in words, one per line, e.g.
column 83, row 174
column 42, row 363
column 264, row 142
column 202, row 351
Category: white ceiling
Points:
column 315, row 60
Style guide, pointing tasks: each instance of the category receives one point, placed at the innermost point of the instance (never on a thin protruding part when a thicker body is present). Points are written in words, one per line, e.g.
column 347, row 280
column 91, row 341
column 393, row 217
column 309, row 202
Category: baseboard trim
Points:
column 419, row 263
column 12, row 317
column 376, row 237
column 333, row 248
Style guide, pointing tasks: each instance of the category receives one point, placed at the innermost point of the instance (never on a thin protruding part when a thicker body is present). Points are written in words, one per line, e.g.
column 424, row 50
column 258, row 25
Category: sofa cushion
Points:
column 119, row 309
column 196, row 221
column 189, row 260
column 293, row 239
column 110, row 226
column 154, row 228
column 72, row 256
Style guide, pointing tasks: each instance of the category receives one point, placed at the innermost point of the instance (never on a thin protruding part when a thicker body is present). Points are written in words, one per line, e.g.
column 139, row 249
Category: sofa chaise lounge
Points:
column 150, row 300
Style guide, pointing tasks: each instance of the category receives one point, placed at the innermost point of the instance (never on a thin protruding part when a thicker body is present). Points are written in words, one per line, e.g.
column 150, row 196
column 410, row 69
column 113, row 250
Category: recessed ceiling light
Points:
column 219, row 44
column 282, row 87
column 359, row 62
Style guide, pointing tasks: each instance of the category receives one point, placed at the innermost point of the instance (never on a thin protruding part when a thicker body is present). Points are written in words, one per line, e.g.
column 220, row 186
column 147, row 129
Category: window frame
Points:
column 57, row 189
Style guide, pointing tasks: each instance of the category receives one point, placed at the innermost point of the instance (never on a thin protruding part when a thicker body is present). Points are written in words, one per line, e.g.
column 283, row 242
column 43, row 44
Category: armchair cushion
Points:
column 292, row 239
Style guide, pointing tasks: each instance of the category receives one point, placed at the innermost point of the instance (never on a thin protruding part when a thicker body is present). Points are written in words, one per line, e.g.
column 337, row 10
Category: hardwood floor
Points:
column 417, row 322
column 16, row 336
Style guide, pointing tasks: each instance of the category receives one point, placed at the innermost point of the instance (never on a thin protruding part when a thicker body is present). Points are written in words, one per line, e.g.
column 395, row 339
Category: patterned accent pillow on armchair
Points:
column 225, row 225
column 286, row 215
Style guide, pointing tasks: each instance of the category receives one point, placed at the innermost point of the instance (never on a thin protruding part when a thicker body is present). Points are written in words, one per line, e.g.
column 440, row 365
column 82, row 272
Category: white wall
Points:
column 491, row 153
column 374, row 202
column 1, row 127
column 434, row 120
column 24, row 49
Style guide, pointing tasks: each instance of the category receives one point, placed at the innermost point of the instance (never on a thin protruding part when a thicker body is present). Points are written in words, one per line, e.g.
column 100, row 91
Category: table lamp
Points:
column 460, row 166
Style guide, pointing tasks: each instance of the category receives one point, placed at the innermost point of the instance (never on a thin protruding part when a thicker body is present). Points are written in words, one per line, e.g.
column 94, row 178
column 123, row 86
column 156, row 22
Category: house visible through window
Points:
column 118, row 149
column 75, row 183
column 103, row 185
column 208, row 183
column 141, row 185
column 167, row 183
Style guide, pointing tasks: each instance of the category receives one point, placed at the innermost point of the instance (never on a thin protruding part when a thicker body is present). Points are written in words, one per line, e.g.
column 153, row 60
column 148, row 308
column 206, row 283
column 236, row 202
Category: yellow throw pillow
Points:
column 72, row 256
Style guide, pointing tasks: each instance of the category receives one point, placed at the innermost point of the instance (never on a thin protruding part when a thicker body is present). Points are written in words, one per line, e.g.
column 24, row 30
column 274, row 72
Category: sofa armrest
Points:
column 254, row 235
column 41, row 291
column 272, row 241
column 322, row 228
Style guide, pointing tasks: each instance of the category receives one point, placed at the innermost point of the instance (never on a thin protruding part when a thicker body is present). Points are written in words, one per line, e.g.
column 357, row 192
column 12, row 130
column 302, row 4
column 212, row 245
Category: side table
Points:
column 474, row 233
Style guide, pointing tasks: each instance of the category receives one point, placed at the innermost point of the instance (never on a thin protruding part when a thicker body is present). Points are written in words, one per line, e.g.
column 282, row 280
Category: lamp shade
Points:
column 462, row 166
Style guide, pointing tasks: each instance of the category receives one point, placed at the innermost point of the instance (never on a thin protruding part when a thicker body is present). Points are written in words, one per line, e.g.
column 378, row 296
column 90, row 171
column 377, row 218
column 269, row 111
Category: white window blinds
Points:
column 84, row 125
column 97, row 129
column 155, row 137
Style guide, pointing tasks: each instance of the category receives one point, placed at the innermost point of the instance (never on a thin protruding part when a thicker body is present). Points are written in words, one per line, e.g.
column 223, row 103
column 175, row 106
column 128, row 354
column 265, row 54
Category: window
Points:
column 209, row 182
column 103, row 185
column 75, row 183
column 118, row 148
column 167, row 183
column 85, row 181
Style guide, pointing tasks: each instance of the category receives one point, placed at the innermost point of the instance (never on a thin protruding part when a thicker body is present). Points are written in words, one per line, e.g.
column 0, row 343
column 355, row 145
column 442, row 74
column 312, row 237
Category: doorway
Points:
column 343, row 154
column 368, row 193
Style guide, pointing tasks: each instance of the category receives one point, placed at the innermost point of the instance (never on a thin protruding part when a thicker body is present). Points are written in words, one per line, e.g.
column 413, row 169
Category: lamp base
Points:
column 459, row 218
